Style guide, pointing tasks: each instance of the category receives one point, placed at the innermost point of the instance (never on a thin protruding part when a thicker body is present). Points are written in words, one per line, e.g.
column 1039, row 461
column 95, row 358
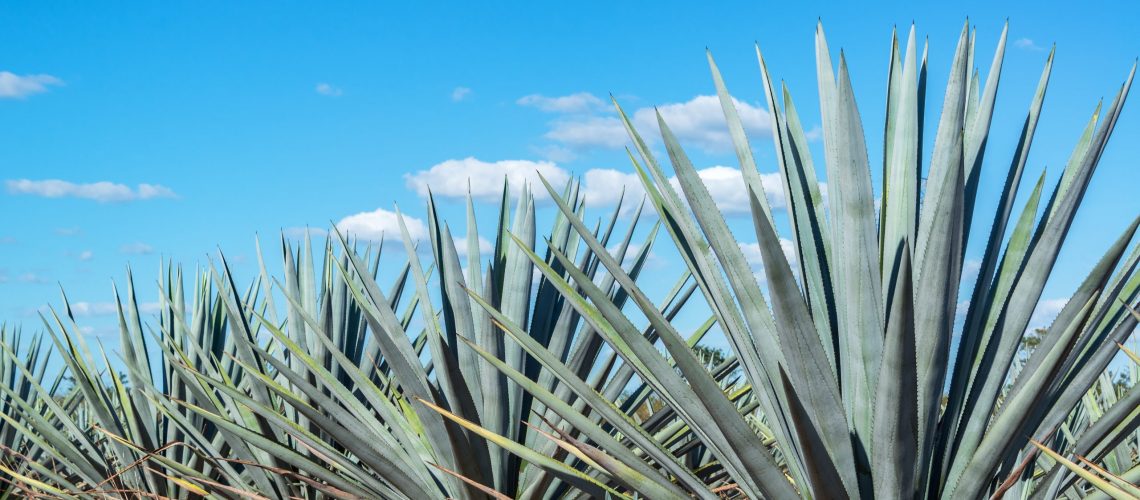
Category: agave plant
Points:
column 547, row 371
column 314, row 385
column 849, row 364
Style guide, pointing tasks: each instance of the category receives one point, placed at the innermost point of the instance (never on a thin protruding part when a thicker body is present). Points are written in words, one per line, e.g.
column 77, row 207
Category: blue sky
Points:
column 178, row 128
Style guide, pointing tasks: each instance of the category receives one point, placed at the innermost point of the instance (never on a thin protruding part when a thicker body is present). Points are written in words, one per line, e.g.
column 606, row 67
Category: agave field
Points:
column 544, row 370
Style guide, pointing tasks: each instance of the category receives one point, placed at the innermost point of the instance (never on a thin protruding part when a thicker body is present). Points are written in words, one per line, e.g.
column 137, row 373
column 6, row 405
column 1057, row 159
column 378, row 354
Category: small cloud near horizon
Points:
column 1027, row 44
column 137, row 248
column 13, row 86
column 329, row 90
column 460, row 94
column 103, row 191
column 584, row 122
column 580, row 102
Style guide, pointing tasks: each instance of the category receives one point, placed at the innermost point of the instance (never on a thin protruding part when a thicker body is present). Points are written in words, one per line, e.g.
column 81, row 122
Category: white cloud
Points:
column 960, row 312
column 1027, row 44
column 1046, row 311
column 600, row 186
column 31, row 278
column 13, row 86
column 555, row 153
column 698, row 121
column 460, row 93
column 137, row 248
column 68, row 231
column 815, row 134
column 727, row 188
column 93, row 308
column 701, row 121
column 485, row 247
column 99, row 191
column 588, row 132
column 453, row 178
column 381, row 224
column 329, row 90
column 755, row 258
column 970, row 270
column 581, row 102
column 80, row 309
column 85, row 255
column 603, row 187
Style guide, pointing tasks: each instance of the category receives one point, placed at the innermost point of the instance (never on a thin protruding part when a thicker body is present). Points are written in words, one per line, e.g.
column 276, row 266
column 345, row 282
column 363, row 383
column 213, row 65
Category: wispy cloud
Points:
column 587, row 132
column 1027, row 44
column 87, row 309
column 329, row 90
column 13, row 86
column 381, row 224
column 584, row 122
column 581, row 102
column 85, row 255
column 28, row 277
column 460, row 93
column 137, row 248
column 484, row 180
column 7, row 240
column 755, row 259
column 99, row 191
column 1046, row 311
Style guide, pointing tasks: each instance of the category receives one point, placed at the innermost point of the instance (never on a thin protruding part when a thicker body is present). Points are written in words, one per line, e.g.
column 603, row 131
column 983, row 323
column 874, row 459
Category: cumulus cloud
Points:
column 381, row 224
column 727, row 188
column 329, row 90
column 555, row 153
column 604, row 187
column 701, row 121
column 588, row 132
column 136, row 248
column 30, row 277
column 698, row 121
column 485, row 247
column 460, row 93
column 1027, row 44
column 13, row 86
column 600, row 186
column 103, row 192
column 1046, row 311
column 581, row 102
column 970, row 270
column 755, row 258
column 453, row 178
column 93, row 308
